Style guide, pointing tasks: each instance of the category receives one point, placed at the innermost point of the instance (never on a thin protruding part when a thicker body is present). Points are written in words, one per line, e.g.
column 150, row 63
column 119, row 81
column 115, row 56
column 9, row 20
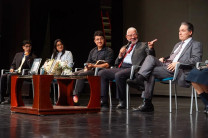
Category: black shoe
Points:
column 145, row 108
column 6, row 102
column 206, row 109
column 135, row 83
column 104, row 104
column 121, row 105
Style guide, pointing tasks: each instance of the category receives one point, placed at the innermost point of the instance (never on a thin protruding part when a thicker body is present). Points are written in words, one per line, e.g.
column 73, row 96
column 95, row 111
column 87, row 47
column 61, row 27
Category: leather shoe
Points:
column 145, row 108
column 121, row 105
column 206, row 109
column 104, row 104
column 135, row 83
column 6, row 102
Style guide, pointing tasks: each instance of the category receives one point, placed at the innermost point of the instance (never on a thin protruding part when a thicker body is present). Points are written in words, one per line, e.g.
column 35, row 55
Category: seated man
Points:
column 22, row 60
column 188, row 51
column 132, row 54
column 100, row 56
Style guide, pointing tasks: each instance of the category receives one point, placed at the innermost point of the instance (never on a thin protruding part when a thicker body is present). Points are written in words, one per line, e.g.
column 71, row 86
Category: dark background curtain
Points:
column 44, row 21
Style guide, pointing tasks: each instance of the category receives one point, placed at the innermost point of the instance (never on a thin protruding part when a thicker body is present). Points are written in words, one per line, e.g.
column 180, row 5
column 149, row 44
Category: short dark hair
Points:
column 24, row 42
column 190, row 26
column 99, row 33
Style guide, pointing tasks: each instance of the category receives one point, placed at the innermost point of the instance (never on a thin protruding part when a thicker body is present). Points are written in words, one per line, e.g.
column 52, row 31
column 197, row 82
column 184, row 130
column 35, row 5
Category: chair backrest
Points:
column 35, row 66
column 201, row 65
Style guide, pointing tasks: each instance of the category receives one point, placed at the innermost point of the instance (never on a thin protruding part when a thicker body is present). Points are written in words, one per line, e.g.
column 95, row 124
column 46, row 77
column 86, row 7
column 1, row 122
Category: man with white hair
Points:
column 133, row 53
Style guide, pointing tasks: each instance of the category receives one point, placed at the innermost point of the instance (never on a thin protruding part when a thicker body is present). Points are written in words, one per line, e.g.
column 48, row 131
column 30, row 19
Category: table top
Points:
column 55, row 76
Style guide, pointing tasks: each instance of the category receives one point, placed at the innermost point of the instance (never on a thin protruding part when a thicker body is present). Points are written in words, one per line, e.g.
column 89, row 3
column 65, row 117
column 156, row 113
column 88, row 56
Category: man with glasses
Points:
column 100, row 56
column 133, row 53
column 22, row 60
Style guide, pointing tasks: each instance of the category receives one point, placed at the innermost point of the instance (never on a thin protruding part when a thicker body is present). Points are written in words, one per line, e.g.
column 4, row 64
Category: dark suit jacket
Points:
column 190, row 55
column 139, row 54
column 18, row 59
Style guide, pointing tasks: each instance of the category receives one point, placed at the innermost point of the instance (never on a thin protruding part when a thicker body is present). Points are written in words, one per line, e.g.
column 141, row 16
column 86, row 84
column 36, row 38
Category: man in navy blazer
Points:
column 22, row 60
column 188, row 51
column 133, row 53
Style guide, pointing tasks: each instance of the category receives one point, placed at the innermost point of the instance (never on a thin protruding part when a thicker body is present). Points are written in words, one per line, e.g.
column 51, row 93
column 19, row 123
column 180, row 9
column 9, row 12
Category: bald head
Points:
column 132, row 35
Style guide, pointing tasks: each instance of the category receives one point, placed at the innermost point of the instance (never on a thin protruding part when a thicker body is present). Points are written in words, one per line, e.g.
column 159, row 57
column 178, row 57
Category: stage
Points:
column 110, row 123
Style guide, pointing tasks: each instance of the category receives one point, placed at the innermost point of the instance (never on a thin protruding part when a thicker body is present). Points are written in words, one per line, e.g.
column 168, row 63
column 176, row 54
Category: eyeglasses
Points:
column 99, row 39
column 132, row 35
column 59, row 45
column 27, row 46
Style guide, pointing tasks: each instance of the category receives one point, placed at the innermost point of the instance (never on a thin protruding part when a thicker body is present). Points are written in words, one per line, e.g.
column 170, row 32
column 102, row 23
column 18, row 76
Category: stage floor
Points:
column 110, row 123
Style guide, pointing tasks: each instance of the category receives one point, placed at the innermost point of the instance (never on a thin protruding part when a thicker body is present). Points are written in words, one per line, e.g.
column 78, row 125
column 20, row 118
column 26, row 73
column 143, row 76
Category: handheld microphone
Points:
column 128, row 44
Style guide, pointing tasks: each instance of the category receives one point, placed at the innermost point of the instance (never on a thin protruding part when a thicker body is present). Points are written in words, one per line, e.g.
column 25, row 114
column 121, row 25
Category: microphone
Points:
column 128, row 44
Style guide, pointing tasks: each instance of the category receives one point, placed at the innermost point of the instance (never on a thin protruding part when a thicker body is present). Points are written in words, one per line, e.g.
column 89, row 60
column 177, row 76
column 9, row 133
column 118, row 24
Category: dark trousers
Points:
column 5, row 87
column 79, row 86
column 120, row 75
column 152, row 68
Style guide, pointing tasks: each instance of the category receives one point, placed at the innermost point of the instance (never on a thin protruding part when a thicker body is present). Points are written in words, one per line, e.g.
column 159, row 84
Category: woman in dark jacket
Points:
column 199, row 80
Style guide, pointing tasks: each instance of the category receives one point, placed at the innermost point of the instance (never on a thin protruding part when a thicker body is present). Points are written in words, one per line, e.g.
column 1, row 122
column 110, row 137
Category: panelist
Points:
column 100, row 56
column 133, row 53
column 199, row 80
column 59, row 53
column 187, row 51
column 22, row 60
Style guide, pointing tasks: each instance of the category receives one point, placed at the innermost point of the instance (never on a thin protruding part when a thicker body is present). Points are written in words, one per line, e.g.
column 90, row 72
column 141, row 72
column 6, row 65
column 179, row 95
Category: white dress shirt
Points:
column 183, row 46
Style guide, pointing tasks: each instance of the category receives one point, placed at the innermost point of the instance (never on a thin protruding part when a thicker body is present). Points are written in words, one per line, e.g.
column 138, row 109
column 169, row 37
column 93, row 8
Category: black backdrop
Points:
column 44, row 21
column 73, row 23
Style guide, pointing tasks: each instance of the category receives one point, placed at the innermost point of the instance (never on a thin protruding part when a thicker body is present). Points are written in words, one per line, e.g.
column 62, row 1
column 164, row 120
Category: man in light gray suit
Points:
column 187, row 51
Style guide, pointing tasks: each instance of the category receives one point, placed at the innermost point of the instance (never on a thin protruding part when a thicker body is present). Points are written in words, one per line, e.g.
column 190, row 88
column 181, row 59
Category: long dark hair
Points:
column 55, row 51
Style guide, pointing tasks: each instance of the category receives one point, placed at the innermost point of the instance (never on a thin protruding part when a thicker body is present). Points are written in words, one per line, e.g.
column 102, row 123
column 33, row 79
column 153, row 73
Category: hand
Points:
column 122, row 52
column 11, row 70
column 90, row 65
column 172, row 66
column 151, row 44
column 162, row 59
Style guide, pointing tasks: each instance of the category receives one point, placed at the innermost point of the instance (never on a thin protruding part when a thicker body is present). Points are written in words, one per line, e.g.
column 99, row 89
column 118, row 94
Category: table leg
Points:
column 94, row 82
column 66, row 87
column 42, row 85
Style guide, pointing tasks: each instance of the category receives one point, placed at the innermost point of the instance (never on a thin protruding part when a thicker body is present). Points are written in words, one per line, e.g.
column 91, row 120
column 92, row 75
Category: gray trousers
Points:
column 80, row 83
column 152, row 68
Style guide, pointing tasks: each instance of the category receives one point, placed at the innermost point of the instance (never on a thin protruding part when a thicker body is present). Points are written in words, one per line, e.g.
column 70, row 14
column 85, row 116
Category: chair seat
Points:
column 165, row 79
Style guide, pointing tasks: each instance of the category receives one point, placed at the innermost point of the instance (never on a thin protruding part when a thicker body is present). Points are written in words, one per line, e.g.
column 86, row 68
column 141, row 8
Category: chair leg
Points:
column 170, row 96
column 192, row 94
column 54, row 90
column 33, row 89
column 176, row 101
column 127, row 97
column 196, row 100
column 109, row 93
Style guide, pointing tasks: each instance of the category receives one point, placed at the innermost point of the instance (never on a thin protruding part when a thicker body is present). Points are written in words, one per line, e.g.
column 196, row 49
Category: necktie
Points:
column 131, row 47
column 172, row 56
column 20, row 67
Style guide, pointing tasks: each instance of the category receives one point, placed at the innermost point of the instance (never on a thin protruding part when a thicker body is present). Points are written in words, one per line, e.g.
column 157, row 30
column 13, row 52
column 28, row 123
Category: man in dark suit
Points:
column 22, row 60
column 187, row 51
column 133, row 53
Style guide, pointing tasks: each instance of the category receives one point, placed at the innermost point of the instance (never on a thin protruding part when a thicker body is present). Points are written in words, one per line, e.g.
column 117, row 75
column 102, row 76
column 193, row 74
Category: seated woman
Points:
column 199, row 80
column 59, row 53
